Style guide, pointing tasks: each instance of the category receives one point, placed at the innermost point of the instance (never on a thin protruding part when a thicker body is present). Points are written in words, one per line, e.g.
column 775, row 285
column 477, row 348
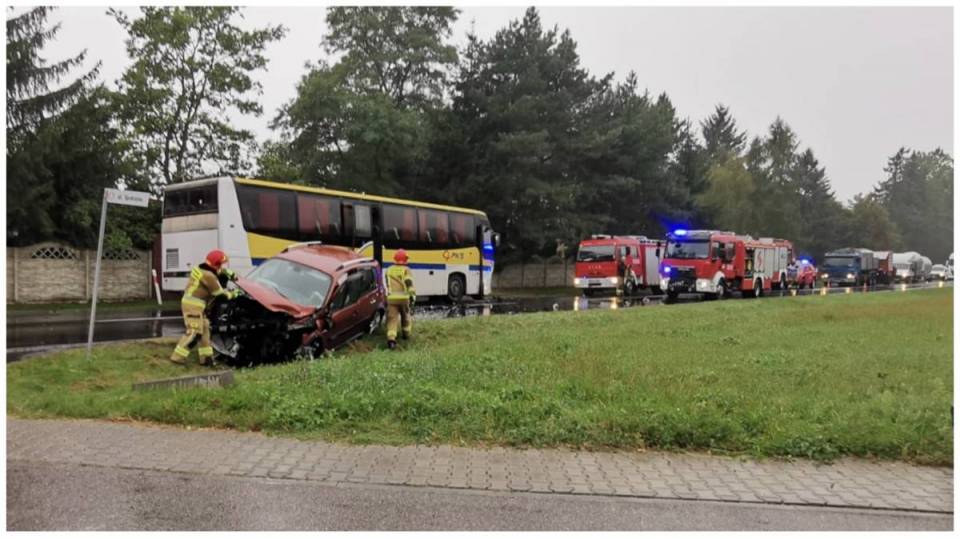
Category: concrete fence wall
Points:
column 52, row 272
column 544, row 274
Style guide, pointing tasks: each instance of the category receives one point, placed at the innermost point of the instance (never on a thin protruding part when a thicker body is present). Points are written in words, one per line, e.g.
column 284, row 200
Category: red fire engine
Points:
column 616, row 263
column 714, row 263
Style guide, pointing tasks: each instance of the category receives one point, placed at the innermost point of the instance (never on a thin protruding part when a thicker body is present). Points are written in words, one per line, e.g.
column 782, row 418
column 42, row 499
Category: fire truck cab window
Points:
column 624, row 251
column 595, row 253
column 688, row 249
column 843, row 261
column 718, row 251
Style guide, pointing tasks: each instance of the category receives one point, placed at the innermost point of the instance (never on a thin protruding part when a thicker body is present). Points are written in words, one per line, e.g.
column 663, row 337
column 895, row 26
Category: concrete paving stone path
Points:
column 846, row 483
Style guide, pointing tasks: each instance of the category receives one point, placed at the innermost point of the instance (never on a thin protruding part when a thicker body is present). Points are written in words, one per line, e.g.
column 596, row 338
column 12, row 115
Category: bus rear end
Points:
column 199, row 216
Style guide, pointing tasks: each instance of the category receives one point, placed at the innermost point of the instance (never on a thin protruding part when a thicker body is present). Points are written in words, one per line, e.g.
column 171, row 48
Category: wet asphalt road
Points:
column 29, row 333
column 45, row 496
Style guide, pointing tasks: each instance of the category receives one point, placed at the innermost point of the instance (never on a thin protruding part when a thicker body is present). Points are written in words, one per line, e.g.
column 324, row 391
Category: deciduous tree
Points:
column 192, row 66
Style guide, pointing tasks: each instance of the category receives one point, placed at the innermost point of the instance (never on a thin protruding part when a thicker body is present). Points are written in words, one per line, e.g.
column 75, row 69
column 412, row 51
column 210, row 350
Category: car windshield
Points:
column 294, row 281
column 688, row 249
column 595, row 253
column 839, row 261
column 939, row 267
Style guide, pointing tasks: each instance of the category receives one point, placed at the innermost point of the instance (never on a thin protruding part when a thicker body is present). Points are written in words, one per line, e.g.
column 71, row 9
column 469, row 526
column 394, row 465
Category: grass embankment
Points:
column 817, row 377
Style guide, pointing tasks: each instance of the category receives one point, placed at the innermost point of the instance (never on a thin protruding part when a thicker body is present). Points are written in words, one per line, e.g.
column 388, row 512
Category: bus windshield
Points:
column 595, row 253
column 688, row 249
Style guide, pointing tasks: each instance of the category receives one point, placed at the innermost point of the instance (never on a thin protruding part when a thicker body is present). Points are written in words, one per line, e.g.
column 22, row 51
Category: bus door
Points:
column 357, row 223
column 488, row 240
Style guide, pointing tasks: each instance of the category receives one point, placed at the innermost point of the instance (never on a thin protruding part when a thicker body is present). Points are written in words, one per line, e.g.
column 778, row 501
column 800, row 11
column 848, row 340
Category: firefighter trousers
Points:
column 196, row 325
column 399, row 318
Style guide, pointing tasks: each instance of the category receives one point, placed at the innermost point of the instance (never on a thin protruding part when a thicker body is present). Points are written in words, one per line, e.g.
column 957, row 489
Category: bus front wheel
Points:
column 456, row 287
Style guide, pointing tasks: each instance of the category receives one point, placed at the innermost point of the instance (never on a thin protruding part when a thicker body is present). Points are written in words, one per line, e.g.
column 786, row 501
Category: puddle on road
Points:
column 506, row 305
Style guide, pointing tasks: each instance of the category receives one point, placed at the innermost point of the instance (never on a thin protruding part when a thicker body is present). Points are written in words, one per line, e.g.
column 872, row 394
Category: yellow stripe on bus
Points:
column 266, row 246
column 466, row 255
column 263, row 247
column 356, row 196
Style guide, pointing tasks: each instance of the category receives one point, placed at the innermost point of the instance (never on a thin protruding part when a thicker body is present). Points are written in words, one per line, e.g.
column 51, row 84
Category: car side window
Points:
column 356, row 287
column 369, row 279
column 339, row 298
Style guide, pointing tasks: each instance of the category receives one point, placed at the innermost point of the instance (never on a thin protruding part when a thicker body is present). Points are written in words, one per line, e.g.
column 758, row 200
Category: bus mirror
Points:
column 496, row 239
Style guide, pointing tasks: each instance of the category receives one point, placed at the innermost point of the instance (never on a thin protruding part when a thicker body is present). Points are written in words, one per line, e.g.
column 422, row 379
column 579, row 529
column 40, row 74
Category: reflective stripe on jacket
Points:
column 202, row 287
column 399, row 284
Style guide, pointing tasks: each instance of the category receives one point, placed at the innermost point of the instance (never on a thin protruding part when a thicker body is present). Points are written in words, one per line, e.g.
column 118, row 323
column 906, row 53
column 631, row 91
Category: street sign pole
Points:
column 96, row 274
column 110, row 196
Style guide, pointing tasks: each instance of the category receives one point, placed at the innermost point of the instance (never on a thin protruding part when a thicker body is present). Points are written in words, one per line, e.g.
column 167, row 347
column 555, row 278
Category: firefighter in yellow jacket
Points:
column 401, row 296
column 202, row 287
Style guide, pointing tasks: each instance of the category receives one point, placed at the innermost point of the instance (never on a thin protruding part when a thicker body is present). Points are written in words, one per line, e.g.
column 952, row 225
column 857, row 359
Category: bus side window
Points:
column 318, row 218
column 462, row 230
column 399, row 226
column 434, row 229
column 268, row 211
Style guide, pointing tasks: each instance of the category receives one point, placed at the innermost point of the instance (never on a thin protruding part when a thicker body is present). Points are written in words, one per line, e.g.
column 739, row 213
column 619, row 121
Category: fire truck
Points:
column 715, row 263
column 621, row 264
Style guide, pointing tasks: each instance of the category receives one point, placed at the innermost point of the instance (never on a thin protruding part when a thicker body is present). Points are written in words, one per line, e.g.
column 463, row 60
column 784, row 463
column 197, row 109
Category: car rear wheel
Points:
column 375, row 322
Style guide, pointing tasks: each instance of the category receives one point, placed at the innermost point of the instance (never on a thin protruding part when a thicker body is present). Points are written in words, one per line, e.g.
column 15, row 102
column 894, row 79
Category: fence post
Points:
column 522, row 264
column 545, row 266
column 86, row 274
column 16, row 274
column 151, row 279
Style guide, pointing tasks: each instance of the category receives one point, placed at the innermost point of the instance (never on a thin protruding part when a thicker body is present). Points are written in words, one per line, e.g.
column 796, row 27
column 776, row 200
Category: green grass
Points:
column 819, row 377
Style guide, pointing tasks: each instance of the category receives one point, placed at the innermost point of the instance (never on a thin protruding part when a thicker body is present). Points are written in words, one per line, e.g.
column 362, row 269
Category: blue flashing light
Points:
column 680, row 232
column 805, row 262
column 666, row 270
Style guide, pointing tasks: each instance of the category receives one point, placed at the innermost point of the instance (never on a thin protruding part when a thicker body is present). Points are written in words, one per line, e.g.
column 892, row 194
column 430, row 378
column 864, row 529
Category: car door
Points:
column 349, row 308
column 367, row 305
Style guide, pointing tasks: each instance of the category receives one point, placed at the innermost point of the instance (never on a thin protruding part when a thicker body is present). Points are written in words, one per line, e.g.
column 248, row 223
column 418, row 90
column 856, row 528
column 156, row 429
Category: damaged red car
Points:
column 308, row 299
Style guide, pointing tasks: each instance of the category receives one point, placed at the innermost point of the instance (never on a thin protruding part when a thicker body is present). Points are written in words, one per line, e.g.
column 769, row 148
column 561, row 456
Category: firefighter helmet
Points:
column 216, row 259
column 400, row 257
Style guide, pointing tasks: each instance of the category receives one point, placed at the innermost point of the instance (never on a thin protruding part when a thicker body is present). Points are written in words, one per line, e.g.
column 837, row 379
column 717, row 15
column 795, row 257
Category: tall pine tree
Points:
column 38, row 92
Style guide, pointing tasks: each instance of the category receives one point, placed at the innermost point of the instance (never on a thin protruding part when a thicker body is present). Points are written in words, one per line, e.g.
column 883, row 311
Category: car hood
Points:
column 273, row 301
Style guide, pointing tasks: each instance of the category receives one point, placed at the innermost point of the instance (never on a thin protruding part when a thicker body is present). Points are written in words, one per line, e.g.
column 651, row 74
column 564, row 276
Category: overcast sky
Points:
column 854, row 83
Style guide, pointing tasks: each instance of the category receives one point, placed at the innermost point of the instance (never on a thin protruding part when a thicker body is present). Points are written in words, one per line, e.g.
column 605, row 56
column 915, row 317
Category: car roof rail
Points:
column 355, row 262
column 301, row 244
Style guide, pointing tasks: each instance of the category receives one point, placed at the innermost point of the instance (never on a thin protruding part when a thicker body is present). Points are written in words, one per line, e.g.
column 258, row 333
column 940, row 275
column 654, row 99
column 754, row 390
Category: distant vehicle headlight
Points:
column 850, row 276
column 614, row 280
column 576, row 280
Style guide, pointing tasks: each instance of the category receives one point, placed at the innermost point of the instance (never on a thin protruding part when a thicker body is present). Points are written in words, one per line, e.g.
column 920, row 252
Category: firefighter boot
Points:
column 392, row 345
